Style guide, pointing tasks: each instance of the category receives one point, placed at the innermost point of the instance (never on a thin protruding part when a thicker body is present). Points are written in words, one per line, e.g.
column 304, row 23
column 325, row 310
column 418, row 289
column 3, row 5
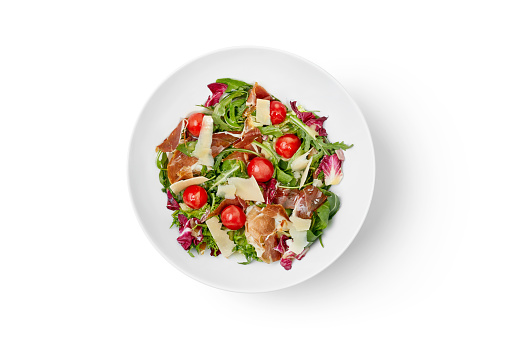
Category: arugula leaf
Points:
column 319, row 223
column 162, row 164
column 271, row 130
column 274, row 157
column 225, row 175
column 242, row 246
column 187, row 148
column 334, row 203
column 230, row 163
column 209, row 240
column 161, row 160
column 332, row 146
column 220, row 111
column 283, row 177
column 234, row 84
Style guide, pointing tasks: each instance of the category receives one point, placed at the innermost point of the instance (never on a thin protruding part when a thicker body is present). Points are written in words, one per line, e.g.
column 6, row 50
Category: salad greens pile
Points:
column 299, row 184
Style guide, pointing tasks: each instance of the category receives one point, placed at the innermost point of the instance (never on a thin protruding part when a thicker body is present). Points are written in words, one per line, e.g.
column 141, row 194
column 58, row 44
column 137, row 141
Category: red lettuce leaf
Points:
column 331, row 167
column 269, row 190
column 310, row 119
column 172, row 203
column 217, row 90
column 282, row 247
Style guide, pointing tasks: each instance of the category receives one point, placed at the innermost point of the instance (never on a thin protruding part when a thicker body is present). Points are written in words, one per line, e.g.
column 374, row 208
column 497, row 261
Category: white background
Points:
column 432, row 80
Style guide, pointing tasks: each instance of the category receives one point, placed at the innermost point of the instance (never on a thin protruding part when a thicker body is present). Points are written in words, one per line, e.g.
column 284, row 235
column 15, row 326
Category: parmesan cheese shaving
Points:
column 220, row 236
column 300, row 224
column 247, row 189
column 299, row 240
column 301, row 162
column 183, row 184
column 305, row 174
column 263, row 111
column 226, row 191
column 203, row 150
column 317, row 183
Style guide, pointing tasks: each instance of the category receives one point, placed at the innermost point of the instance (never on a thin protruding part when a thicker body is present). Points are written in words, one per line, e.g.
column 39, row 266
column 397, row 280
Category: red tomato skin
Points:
column 233, row 217
column 277, row 112
column 287, row 145
column 194, row 124
column 195, row 197
column 261, row 169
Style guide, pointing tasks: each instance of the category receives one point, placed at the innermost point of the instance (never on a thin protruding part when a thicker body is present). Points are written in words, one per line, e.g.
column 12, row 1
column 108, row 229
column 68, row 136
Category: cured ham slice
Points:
column 257, row 92
column 286, row 197
column 222, row 140
column 249, row 134
column 308, row 200
column 261, row 230
column 180, row 167
column 172, row 141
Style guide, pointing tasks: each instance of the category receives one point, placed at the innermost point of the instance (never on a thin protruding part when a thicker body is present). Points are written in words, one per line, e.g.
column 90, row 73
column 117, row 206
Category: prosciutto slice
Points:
column 179, row 167
column 249, row 134
column 172, row 141
column 261, row 230
column 286, row 197
column 257, row 92
column 222, row 140
column 308, row 200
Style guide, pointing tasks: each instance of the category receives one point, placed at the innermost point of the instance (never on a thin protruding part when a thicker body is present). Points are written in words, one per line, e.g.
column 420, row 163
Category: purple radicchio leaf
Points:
column 287, row 260
column 189, row 234
column 269, row 190
column 282, row 247
column 215, row 253
column 183, row 222
column 172, row 203
column 217, row 90
column 186, row 238
column 302, row 254
column 310, row 119
column 331, row 167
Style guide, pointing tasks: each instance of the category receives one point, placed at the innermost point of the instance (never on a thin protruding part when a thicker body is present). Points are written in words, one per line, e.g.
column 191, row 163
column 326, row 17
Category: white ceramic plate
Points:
column 288, row 77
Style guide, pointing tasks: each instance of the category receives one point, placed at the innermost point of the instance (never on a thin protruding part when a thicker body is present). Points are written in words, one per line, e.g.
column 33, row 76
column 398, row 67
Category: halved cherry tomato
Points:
column 233, row 217
column 195, row 197
column 194, row 123
column 261, row 169
column 287, row 145
column 277, row 112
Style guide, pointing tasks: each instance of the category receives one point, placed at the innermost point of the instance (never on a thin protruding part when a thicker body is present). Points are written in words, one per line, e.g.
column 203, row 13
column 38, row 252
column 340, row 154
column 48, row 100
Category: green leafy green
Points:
column 209, row 240
column 219, row 158
column 230, row 122
column 187, row 148
column 319, row 222
column 234, row 84
column 334, row 204
column 225, row 175
column 283, row 177
column 271, row 130
column 242, row 246
column 162, row 164
column 332, row 146
column 274, row 157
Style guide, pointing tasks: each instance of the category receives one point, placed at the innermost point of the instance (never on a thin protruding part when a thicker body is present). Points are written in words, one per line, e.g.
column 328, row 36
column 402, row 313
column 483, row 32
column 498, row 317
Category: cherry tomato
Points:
column 233, row 217
column 277, row 112
column 195, row 197
column 287, row 145
column 194, row 123
column 261, row 169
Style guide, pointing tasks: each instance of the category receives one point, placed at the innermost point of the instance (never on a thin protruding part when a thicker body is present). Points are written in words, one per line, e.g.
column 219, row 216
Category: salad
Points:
column 248, row 174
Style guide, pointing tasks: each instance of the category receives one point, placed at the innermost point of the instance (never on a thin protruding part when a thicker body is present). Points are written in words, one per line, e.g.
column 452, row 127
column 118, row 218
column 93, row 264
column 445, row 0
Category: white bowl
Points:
column 288, row 77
